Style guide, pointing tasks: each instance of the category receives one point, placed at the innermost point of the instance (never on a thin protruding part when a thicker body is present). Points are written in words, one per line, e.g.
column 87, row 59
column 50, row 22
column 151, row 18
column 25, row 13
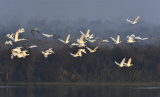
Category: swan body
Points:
column 133, row 22
column 91, row 41
column 103, row 41
column 94, row 50
column 67, row 40
column 8, row 42
column 116, row 41
column 81, row 40
column 47, row 35
column 79, row 53
column 33, row 46
column 47, row 52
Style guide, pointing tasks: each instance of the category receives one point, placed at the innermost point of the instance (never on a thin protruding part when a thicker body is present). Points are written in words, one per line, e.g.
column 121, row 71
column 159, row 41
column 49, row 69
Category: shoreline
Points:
column 83, row 83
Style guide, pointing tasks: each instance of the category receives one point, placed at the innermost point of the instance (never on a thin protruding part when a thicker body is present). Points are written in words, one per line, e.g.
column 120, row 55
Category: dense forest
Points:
column 91, row 67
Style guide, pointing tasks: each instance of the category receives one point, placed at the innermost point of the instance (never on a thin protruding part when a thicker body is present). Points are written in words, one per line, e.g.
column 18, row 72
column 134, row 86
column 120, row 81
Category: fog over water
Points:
column 80, row 9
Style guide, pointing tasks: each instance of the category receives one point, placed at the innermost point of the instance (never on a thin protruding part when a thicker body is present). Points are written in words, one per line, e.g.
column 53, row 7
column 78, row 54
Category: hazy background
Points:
column 80, row 9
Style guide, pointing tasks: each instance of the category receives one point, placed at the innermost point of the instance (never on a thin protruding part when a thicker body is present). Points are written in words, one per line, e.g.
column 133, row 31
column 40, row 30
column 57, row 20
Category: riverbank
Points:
column 81, row 84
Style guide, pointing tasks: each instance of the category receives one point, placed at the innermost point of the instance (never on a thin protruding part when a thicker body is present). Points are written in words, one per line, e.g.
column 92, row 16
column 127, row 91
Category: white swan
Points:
column 67, row 40
column 79, row 53
column 47, row 35
column 47, row 52
column 15, row 39
column 92, row 51
column 8, row 42
column 81, row 40
column 103, row 41
column 82, row 50
column 121, row 64
column 36, row 30
column 18, row 53
column 129, row 63
column 116, row 41
column 87, row 34
column 17, row 49
column 133, row 22
column 130, row 39
column 91, row 41
column 23, row 54
column 33, row 46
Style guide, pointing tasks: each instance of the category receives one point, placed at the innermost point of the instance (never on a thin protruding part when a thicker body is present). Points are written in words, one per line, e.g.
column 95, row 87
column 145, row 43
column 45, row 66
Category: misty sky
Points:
column 80, row 9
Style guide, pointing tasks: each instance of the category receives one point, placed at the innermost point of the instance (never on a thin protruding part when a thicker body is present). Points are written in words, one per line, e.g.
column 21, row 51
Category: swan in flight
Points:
column 19, row 53
column 129, row 63
column 35, row 30
column 116, row 41
column 82, row 50
column 103, row 41
column 79, row 53
column 136, row 38
column 81, row 40
column 130, row 39
column 91, row 41
column 133, row 22
column 121, row 64
column 8, row 42
column 17, row 49
column 78, row 44
column 22, row 54
column 33, row 46
column 47, row 35
column 92, row 51
column 47, row 52
column 15, row 39
column 87, row 34
column 67, row 40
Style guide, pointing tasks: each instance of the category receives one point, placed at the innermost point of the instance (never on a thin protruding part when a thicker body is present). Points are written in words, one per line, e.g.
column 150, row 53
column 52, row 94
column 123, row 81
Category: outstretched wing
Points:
column 89, row 49
column 136, row 19
column 129, row 61
column 117, row 63
column 82, row 33
column 62, row 40
column 113, row 39
column 96, row 48
column 118, row 38
column 87, row 34
column 68, row 37
column 82, row 37
column 48, row 51
column 123, row 61
column 129, row 21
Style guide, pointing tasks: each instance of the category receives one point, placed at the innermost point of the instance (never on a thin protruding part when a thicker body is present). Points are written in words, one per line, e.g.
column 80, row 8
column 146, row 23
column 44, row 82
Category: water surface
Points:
column 77, row 91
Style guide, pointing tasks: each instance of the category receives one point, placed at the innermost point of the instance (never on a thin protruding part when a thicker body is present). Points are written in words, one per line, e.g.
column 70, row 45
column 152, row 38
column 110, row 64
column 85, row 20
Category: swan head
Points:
column 36, row 29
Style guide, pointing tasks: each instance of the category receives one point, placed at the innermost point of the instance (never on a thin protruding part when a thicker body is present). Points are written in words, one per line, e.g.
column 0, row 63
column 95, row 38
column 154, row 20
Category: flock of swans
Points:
column 19, row 53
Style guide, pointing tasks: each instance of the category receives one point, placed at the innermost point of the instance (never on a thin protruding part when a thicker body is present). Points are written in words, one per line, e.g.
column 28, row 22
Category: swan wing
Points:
column 113, row 39
column 89, row 49
column 129, row 61
column 136, row 19
column 122, row 62
column 62, row 40
column 117, row 63
column 87, row 34
column 81, row 39
column 68, row 38
column 82, row 33
column 118, row 38
column 96, row 48
column 129, row 21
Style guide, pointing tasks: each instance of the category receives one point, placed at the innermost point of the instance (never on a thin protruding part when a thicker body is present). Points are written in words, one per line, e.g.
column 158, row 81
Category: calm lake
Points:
column 77, row 91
